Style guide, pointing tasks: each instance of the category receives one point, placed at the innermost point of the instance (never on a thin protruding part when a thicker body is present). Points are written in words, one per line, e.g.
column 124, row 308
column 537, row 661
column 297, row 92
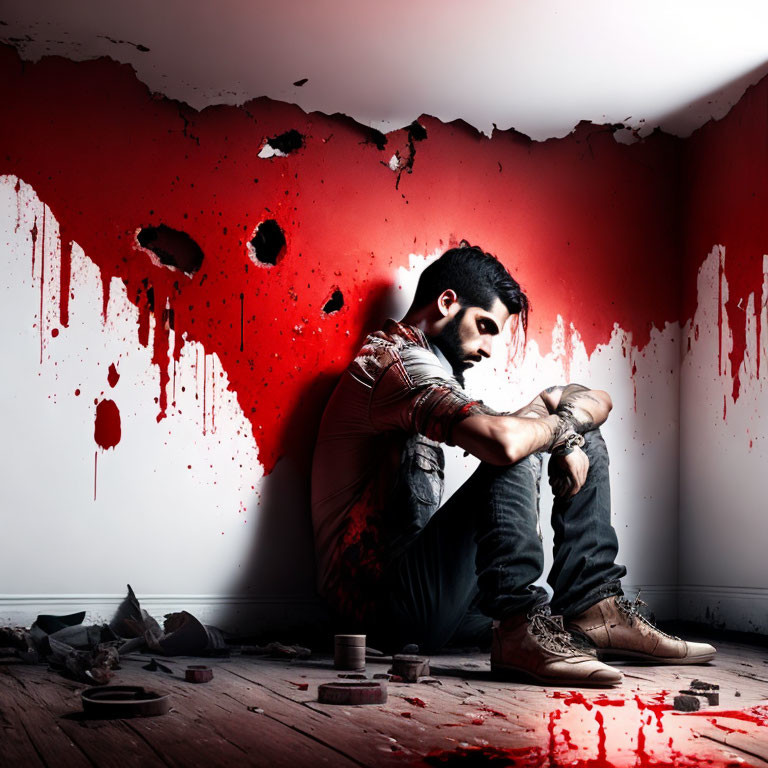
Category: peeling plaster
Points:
column 540, row 68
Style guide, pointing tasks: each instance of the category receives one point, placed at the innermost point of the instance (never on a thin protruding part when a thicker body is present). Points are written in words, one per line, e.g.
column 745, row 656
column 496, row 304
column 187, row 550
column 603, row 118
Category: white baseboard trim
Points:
column 743, row 609
column 661, row 598
column 238, row 614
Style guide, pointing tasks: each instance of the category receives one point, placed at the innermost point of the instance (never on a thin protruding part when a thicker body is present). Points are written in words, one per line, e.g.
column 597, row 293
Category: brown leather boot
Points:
column 616, row 629
column 535, row 646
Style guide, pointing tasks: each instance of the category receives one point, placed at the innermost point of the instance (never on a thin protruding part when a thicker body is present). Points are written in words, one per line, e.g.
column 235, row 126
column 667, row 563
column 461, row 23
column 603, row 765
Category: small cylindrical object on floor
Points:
column 349, row 652
column 409, row 667
column 198, row 673
column 368, row 692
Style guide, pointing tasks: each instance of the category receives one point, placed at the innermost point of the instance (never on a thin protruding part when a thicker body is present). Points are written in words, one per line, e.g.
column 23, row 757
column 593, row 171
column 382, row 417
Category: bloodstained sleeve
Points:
column 416, row 394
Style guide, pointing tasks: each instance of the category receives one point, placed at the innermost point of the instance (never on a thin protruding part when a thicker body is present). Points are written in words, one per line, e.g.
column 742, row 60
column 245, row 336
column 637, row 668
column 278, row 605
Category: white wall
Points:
column 182, row 511
column 175, row 508
column 724, row 461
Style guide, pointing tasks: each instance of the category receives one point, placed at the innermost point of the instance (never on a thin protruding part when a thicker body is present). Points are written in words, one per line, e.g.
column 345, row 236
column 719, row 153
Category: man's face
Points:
column 468, row 335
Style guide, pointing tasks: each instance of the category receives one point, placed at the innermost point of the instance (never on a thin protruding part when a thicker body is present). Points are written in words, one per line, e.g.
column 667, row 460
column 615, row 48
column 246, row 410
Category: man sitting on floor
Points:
column 394, row 563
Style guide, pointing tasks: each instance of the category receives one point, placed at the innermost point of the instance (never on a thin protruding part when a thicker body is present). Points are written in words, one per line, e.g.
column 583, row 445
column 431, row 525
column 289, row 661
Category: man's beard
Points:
column 448, row 342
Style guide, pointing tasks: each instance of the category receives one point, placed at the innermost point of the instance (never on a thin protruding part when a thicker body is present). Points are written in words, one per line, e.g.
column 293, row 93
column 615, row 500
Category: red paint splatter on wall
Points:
column 581, row 222
column 113, row 376
column 106, row 431
column 726, row 187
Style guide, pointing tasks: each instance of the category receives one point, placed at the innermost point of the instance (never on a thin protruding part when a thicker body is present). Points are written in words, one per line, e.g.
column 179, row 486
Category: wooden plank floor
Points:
column 257, row 712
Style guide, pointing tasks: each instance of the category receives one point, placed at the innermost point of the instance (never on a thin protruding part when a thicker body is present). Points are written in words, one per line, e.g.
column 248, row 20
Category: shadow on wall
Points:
column 278, row 574
column 714, row 104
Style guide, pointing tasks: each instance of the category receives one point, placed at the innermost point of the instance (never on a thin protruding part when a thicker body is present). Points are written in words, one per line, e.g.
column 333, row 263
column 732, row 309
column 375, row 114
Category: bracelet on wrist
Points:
column 569, row 441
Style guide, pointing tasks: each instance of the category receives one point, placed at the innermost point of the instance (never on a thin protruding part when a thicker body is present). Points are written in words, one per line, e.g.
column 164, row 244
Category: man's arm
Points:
column 543, row 404
column 506, row 439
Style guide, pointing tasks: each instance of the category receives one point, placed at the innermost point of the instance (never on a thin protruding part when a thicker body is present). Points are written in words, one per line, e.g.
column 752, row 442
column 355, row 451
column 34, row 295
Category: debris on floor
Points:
column 371, row 692
column 410, row 668
column 155, row 665
column 198, row 673
column 686, row 703
column 276, row 651
column 90, row 653
column 698, row 695
column 120, row 701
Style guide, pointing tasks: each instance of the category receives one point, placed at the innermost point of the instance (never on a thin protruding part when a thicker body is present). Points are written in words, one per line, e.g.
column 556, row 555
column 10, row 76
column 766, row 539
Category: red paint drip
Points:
column 720, row 273
column 42, row 286
column 535, row 757
column 160, row 348
column 757, row 715
column 33, row 233
column 642, row 756
column 555, row 715
column 603, row 701
column 726, row 188
column 634, row 385
column 417, row 702
column 113, row 376
column 600, row 738
column 64, row 278
column 568, row 355
column 17, row 190
column 726, row 728
column 576, row 697
column 205, row 387
column 106, row 431
column 657, row 708
column 213, row 397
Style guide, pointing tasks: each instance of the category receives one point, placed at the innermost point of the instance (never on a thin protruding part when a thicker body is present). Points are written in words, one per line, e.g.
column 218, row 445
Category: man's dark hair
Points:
column 477, row 278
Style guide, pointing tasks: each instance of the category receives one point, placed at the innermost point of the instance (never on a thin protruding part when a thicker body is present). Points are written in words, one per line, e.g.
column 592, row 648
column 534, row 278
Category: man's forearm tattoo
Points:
column 535, row 408
column 559, row 432
column 572, row 390
column 581, row 422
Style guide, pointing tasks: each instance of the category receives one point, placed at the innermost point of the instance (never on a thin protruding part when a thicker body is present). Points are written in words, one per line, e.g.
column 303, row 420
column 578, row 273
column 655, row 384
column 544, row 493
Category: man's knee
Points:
column 526, row 470
column 595, row 448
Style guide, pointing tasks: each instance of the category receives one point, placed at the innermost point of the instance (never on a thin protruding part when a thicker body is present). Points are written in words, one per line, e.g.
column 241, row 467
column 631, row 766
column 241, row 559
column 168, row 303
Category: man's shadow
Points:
column 274, row 586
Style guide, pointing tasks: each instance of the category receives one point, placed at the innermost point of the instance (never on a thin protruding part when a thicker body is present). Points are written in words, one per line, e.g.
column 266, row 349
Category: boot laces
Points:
column 550, row 631
column 632, row 610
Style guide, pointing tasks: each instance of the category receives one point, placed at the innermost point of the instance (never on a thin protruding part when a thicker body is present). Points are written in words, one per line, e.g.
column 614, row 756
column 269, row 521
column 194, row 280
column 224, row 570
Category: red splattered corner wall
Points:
column 267, row 241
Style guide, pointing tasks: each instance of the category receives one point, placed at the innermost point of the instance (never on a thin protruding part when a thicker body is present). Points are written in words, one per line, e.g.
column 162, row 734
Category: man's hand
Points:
column 567, row 474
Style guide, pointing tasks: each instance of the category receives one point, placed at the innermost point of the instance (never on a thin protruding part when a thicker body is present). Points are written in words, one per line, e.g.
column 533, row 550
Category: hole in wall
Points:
column 377, row 138
column 334, row 303
column 282, row 145
column 416, row 131
column 268, row 243
column 171, row 248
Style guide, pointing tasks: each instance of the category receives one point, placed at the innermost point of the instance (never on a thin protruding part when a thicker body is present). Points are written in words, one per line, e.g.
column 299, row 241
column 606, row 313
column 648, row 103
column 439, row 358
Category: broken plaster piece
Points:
column 684, row 703
column 268, row 151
